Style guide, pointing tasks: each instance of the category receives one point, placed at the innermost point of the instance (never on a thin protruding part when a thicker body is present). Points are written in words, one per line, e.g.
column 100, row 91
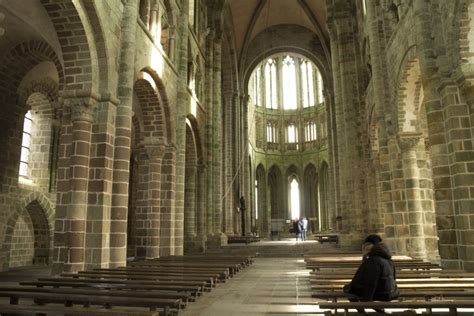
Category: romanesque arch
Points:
column 30, row 228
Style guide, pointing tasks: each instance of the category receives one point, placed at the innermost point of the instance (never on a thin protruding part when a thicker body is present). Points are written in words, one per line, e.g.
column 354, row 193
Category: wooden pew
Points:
column 216, row 276
column 413, row 286
column 335, row 296
column 233, row 269
column 193, row 290
column 353, row 265
column 224, row 273
column 209, row 282
column 453, row 306
column 69, row 311
column 167, row 305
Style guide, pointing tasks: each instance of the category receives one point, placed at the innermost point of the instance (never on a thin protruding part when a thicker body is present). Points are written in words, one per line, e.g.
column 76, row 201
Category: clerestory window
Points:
column 25, row 145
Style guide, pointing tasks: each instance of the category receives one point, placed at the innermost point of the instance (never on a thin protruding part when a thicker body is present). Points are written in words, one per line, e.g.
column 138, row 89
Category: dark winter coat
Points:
column 375, row 280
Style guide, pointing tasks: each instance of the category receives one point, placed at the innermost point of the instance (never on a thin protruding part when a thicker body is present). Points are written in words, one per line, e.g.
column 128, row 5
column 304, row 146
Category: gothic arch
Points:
column 276, row 196
column 310, row 199
column 41, row 212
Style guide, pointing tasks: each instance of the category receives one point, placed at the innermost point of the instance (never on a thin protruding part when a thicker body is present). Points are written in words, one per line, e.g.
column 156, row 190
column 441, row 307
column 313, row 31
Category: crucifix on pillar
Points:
column 242, row 209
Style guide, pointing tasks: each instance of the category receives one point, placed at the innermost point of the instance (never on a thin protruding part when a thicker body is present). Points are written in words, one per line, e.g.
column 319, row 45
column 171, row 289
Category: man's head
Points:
column 369, row 242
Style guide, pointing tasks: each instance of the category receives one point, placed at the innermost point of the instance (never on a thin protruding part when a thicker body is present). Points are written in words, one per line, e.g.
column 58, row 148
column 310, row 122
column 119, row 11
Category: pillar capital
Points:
column 154, row 146
column 408, row 141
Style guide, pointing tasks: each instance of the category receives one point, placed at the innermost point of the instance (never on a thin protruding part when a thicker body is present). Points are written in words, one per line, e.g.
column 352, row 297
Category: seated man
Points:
column 375, row 280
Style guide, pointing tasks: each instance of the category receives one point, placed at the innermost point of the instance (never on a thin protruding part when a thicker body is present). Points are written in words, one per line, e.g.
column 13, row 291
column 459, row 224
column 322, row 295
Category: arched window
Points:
column 292, row 134
column 307, row 84
column 257, row 93
column 294, row 198
column 165, row 32
column 25, row 145
column 271, row 132
column 310, row 131
column 289, row 84
column 271, row 85
column 256, row 199
column 320, row 87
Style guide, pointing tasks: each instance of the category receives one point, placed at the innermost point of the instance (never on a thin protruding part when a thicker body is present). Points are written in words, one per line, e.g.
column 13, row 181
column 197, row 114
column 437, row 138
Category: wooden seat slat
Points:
column 406, row 293
column 131, row 276
column 70, row 311
column 111, row 281
column 151, row 303
column 194, row 290
column 216, row 276
column 332, row 287
column 224, row 273
column 399, row 280
column 185, row 297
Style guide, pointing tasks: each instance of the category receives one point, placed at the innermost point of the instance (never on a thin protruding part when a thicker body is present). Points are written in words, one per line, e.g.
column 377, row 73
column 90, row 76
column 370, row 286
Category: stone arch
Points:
column 410, row 94
column 20, row 60
column 46, row 86
column 70, row 30
column 292, row 173
column 191, row 184
column 310, row 202
column 41, row 212
column 276, row 198
column 155, row 114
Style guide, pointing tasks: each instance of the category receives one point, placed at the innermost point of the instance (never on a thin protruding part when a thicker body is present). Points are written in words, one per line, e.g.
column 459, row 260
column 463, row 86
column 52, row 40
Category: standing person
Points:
column 296, row 228
column 375, row 280
column 303, row 224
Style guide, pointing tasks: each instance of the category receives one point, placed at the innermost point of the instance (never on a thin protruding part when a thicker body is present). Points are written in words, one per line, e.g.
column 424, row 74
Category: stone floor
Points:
column 271, row 286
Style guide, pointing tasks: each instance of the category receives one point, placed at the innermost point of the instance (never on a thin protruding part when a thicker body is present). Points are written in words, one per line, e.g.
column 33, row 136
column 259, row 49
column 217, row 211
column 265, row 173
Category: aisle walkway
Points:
column 271, row 286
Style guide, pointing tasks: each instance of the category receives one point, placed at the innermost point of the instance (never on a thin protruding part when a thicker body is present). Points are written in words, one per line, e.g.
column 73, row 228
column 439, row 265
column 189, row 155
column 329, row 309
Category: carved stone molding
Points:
column 155, row 147
column 408, row 141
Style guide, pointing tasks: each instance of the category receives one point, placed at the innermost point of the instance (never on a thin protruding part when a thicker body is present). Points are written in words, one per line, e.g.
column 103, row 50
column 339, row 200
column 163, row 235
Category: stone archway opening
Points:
column 31, row 238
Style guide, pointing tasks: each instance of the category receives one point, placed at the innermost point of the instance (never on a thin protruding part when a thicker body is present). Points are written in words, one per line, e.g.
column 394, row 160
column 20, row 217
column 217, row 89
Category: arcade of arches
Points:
column 134, row 128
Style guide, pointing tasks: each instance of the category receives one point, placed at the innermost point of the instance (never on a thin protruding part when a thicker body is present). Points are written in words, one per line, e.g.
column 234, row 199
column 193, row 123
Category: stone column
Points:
column 168, row 198
column 154, row 216
column 82, row 117
column 411, row 226
column 190, row 203
column 229, row 154
column 123, row 128
column 100, row 187
column 245, row 171
column 209, row 133
column 182, row 102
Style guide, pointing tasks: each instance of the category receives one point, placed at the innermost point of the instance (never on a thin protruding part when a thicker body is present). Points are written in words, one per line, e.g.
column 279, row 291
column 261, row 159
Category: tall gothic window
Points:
column 289, row 84
column 294, row 198
column 271, row 85
column 271, row 132
column 307, row 84
column 292, row 134
column 25, row 145
column 257, row 93
column 310, row 131
column 320, row 87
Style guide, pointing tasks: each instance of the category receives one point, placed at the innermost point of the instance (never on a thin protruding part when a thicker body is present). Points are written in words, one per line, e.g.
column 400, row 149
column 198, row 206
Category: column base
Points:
column 195, row 244
column 216, row 240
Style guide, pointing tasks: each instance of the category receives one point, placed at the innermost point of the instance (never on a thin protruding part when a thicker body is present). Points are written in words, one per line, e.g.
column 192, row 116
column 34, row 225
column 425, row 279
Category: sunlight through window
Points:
column 25, row 145
column 295, row 199
column 289, row 84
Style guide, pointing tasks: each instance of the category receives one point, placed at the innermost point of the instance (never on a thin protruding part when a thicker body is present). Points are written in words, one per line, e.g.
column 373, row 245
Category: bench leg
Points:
column 14, row 300
column 453, row 311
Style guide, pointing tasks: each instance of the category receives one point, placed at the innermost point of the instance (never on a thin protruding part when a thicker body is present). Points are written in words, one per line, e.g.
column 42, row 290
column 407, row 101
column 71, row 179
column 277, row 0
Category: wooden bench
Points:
column 233, row 269
column 401, row 286
column 184, row 297
column 193, row 290
column 209, row 282
column 223, row 273
column 405, row 294
column 69, row 311
column 322, row 238
column 167, row 305
column 453, row 306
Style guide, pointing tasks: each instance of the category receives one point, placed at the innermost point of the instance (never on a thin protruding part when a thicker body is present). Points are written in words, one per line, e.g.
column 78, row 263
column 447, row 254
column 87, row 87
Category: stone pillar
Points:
column 229, row 154
column 344, row 51
column 382, row 106
column 100, row 188
column 209, row 133
column 182, row 102
column 245, row 169
column 70, row 233
column 123, row 128
column 413, row 227
column 168, row 199
column 190, row 203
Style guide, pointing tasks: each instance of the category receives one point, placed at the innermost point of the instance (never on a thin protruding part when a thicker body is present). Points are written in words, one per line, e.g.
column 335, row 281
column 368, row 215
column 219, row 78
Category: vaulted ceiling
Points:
column 251, row 17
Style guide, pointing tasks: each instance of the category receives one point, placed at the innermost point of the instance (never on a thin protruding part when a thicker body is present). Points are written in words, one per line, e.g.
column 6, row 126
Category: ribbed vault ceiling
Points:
column 251, row 17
